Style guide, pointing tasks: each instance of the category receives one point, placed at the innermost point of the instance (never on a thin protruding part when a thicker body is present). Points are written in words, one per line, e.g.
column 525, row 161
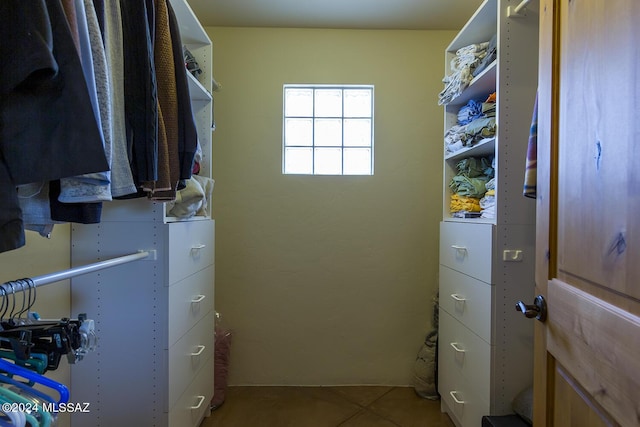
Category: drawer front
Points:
column 467, row 300
column 467, row 248
column 190, row 300
column 463, row 353
column 188, row 356
column 194, row 403
column 463, row 406
column 191, row 248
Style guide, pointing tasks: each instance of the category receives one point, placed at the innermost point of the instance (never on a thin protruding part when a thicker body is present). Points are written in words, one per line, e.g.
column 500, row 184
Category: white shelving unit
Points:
column 154, row 318
column 485, row 346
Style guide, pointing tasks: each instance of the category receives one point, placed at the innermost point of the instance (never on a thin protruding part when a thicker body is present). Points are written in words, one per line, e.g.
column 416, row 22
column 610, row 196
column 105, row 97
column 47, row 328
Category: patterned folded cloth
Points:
column 469, row 112
column 462, row 66
column 463, row 203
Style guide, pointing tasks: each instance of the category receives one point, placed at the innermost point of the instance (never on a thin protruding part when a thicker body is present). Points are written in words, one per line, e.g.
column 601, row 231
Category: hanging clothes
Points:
column 106, row 82
column 94, row 187
column 49, row 80
column 531, row 168
column 45, row 87
column 187, row 132
column 140, row 91
column 168, row 163
column 177, row 136
column 11, row 226
column 121, row 177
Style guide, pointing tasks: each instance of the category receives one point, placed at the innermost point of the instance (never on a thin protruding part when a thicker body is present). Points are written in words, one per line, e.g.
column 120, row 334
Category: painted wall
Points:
column 326, row 280
column 53, row 301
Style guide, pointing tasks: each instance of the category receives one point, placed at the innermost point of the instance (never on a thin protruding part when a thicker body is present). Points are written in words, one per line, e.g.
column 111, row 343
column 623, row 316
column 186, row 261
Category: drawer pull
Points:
column 457, row 348
column 200, row 350
column 201, row 398
column 198, row 299
column 460, row 249
column 196, row 249
column 454, row 396
column 458, row 298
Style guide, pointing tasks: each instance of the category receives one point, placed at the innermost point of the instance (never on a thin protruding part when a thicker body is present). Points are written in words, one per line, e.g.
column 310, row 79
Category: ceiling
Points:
column 355, row 14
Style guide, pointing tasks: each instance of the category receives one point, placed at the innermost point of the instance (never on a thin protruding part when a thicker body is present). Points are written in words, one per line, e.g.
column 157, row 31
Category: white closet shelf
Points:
column 484, row 148
column 197, row 91
column 481, row 86
column 191, row 31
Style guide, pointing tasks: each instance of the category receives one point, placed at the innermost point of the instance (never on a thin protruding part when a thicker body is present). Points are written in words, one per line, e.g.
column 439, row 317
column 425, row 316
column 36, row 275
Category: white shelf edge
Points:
column 483, row 148
column 197, row 90
column 478, row 27
column 483, row 83
column 472, row 220
column 170, row 219
column 191, row 31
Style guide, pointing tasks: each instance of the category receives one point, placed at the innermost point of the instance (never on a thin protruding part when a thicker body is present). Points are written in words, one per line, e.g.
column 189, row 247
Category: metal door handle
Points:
column 538, row 310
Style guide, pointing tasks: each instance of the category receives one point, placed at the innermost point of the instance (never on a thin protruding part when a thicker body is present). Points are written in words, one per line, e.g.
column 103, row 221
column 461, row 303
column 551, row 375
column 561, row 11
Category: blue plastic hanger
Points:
column 13, row 369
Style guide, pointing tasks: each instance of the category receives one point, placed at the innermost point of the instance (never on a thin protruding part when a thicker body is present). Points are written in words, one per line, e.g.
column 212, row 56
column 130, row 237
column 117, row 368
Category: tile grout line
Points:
column 381, row 416
column 370, row 410
column 352, row 416
column 364, row 408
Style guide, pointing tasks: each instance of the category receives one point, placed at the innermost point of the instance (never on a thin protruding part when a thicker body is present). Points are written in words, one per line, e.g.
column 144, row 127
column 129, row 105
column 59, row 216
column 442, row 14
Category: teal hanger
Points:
column 36, row 362
column 9, row 396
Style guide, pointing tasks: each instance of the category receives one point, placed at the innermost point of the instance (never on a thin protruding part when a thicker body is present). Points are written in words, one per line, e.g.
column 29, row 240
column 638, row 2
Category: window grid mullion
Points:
column 313, row 133
column 342, row 119
column 342, row 134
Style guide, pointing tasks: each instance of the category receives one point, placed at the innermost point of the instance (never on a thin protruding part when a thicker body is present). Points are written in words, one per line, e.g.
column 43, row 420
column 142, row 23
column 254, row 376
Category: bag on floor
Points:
column 221, row 362
column 424, row 369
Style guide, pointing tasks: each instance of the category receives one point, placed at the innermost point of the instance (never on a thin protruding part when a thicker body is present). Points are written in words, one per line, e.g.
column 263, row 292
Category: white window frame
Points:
column 313, row 117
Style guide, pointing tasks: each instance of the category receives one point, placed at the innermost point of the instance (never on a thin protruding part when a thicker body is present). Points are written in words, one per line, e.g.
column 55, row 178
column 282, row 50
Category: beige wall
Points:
column 326, row 280
column 38, row 257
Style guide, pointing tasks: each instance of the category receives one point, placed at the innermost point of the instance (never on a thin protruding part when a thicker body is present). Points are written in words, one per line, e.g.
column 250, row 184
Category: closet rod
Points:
column 515, row 12
column 521, row 6
column 90, row 268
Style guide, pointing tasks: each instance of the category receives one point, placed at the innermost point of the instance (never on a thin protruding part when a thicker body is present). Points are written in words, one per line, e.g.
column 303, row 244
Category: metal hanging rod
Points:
column 90, row 268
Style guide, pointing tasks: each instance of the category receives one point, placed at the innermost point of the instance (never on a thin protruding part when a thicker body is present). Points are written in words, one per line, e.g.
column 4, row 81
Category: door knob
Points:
column 538, row 310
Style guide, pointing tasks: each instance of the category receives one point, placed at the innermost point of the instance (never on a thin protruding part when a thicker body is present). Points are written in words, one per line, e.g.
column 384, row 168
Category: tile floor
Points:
column 326, row 407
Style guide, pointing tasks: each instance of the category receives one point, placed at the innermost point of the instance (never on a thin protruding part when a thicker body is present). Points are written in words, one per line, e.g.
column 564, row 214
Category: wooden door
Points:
column 587, row 352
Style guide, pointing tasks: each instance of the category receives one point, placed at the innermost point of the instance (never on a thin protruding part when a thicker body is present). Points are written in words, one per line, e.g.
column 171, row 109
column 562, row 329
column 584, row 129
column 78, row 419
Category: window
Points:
column 328, row 130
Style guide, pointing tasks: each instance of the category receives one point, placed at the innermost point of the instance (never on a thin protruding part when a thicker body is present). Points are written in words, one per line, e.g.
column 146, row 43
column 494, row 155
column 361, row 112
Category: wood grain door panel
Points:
column 587, row 368
column 597, row 132
column 593, row 341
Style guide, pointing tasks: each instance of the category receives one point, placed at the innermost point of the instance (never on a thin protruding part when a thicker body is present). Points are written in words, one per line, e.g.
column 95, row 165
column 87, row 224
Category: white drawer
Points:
column 466, row 299
column 195, row 401
column 190, row 300
column 467, row 248
column 191, row 248
column 463, row 406
column 462, row 352
column 188, row 355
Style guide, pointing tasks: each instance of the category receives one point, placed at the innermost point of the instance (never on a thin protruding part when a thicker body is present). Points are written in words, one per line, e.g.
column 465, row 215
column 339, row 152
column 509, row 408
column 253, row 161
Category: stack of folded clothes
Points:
column 463, row 65
column 469, row 186
column 476, row 122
